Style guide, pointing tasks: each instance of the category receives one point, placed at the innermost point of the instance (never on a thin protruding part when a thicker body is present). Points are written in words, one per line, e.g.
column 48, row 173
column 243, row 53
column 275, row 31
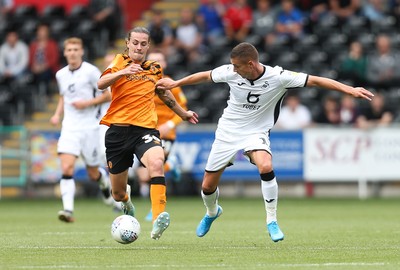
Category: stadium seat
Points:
column 86, row 30
column 367, row 40
column 77, row 14
column 52, row 12
column 385, row 25
column 307, row 44
column 23, row 13
column 27, row 31
column 8, row 114
column 288, row 60
column 356, row 25
column 334, row 43
column 28, row 96
column 202, row 111
column 256, row 40
column 326, row 26
column 59, row 28
column 315, row 59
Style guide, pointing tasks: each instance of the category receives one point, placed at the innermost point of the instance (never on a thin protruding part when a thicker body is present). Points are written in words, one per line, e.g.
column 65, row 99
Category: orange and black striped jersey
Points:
column 165, row 114
column 133, row 95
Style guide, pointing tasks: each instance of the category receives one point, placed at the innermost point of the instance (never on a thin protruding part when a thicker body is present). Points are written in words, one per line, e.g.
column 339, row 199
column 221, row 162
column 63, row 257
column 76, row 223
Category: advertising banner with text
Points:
column 191, row 149
column 351, row 154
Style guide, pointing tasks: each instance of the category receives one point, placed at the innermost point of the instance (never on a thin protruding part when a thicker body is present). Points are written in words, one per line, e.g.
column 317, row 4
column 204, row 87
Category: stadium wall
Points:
column 311, row 162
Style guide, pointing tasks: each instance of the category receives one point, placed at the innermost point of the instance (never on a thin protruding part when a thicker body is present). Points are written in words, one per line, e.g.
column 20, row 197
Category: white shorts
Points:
column 84, row 143
column 223, row 153
column 102, row 130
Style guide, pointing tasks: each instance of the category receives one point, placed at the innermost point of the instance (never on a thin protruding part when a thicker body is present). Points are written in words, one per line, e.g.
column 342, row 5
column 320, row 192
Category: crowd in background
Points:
column 352, row 40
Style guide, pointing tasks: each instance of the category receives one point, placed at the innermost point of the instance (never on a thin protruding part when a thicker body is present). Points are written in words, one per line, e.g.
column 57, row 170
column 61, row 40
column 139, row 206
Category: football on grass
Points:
column 125, row 229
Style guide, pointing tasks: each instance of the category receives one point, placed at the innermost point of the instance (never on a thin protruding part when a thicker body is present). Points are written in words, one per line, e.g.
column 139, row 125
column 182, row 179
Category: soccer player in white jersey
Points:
column 256, row 94
column 79, row 105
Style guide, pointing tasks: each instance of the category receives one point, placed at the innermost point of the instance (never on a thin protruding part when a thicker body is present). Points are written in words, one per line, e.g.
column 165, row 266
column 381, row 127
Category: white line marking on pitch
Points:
column 91, row 247
column 213, row 266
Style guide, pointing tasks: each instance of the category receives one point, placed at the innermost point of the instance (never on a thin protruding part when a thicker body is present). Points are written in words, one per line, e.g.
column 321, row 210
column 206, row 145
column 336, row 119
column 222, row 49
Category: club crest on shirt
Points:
column 265, row 85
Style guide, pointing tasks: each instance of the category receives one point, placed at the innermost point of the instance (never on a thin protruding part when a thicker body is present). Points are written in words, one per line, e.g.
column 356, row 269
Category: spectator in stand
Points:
column 394, row 6
column 313, row 10
column 107, row 16
column 329, row 113
column 383, row 69
column 354, row 65
column 375, row 10
column 44, row 58
column 6, row 7
column 377, row 114
column 210, row 14
column 289, row 23
column 161, row 33
column 264, row 18
column 237, row 21
column 294, row 115
column 348, row 110
column 14, row 59
column 188, row 38
column 344, row 9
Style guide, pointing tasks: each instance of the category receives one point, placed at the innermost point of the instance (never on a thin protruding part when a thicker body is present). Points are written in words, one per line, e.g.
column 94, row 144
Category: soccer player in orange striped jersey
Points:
column 132, row 119
column 167, row 123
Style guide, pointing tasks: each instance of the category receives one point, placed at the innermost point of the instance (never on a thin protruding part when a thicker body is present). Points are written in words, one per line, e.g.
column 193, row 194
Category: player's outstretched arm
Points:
column 168, row 98
column 199, row 77
column 358, row 92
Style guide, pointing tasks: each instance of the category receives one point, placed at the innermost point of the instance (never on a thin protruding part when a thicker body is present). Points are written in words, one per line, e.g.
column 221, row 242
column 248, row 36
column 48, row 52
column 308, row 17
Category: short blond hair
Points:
column 73, row 40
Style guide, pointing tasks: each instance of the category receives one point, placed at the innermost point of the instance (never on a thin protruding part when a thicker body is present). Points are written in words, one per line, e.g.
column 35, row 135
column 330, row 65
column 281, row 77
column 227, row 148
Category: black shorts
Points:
column 122, row 142
column 167, row 145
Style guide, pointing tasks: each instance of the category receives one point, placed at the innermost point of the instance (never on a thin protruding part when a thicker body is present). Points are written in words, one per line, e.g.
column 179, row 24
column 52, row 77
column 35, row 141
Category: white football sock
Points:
column 67, row 188
column 145, row 190
column 269, row 191
column 211, row 202
column 104, row 181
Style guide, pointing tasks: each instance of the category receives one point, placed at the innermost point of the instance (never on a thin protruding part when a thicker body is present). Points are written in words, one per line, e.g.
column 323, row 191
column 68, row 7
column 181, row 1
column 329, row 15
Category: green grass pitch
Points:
column 319, row 234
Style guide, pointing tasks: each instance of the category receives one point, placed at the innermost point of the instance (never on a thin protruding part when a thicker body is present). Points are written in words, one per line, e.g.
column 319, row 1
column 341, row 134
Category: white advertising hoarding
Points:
column 347, row 154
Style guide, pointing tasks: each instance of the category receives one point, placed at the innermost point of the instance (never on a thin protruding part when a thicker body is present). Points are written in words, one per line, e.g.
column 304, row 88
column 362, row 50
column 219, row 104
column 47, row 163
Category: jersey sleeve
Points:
column 58, row 79
column 94, row 77
column 222, row 73
column 291, row 79
column 119, row 62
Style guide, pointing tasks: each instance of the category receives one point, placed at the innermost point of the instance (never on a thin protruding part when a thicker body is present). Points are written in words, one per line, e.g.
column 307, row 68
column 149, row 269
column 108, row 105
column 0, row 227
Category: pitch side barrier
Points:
column 318, row 154
column 194, row 145
column 323, row 154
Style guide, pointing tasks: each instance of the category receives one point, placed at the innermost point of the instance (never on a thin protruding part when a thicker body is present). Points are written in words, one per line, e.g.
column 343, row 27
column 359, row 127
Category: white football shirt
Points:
column 254, row 106
column 79, row 84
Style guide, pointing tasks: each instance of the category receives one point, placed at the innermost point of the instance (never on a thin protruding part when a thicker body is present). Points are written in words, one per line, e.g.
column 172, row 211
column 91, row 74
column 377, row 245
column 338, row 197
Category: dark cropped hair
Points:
column 245, row 51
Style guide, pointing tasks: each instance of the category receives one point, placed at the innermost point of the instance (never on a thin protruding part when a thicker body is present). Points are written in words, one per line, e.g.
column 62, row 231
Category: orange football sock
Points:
column 158, row 195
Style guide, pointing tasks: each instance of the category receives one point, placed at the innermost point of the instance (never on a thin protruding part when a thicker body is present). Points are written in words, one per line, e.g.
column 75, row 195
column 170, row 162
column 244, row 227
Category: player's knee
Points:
column 208, row 188
column 265, row 167
column 156, row 164
column 67, row 169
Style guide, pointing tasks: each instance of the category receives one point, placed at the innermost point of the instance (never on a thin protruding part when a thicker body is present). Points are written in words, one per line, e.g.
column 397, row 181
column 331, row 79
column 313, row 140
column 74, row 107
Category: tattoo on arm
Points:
column 165, row 97
column 160, row 92
column 170, row 103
